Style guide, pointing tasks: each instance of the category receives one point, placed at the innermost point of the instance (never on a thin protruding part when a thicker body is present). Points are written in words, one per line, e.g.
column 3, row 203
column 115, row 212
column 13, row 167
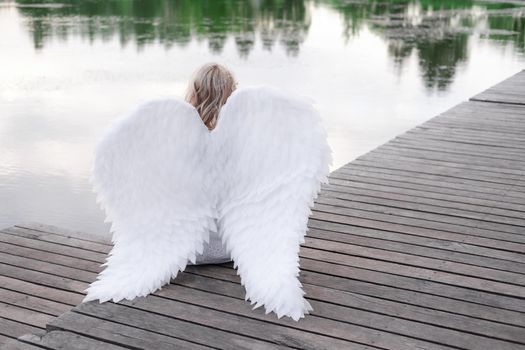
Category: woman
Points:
column 230, row 175
column 208, row 91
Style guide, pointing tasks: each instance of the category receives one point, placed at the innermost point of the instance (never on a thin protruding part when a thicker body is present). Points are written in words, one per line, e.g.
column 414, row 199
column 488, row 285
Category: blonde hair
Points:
column 208, row 91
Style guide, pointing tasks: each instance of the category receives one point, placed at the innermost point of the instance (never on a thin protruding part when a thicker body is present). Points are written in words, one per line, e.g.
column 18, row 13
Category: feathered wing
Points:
column 151, row 178
column 273, row 155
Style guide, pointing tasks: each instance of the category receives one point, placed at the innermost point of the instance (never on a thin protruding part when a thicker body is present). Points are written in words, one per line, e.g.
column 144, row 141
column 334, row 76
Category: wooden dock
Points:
column 419, row 244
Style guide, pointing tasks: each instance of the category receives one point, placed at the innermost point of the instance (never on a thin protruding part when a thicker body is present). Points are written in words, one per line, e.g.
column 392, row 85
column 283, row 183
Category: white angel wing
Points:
column 151, row 177
column 273, row 155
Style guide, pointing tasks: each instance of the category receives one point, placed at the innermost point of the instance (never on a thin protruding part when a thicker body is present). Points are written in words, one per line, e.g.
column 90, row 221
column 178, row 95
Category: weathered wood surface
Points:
column 417, row 244
column 508, row 91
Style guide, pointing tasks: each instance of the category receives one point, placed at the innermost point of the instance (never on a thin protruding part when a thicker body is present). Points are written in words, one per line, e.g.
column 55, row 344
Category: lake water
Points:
column 374, row 69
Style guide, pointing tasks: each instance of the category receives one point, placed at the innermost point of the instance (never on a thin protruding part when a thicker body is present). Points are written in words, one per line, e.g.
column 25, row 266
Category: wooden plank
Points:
column 443, row 219
column 437, row 155
column 491, row 148
column 479, row 162
column 424, row 169
column 476, row 110
column 401, row 270
column 378, row 241
column 7, row 237
column 425, row 212
column 498, row 114
column 508, row 91
column 385, row 292
column 44, row 267
column 29, row 287
column 419, row 159
column 401, row 198
column 61, row 239
column 13, row 329
column 246, row 326
column 4, row 339
column 460, row 133
column 86, row 284
column 435, row 180
column 401, row 330
column 116, row 333
column 469, row 111
column 390, row 267
column 55, row 230
column 388, row 156
column 451, row 158
column 511, row 241
column 429, row 191
column 413, row 184
column 502, row 192
column 14, row 344
column 23, row 315
column 508, row 97
column 410, row 260
column 514, row 249
column 32, row 302
column 90, row 277
column 58, row 339
column 168, row 326
column 294, row 334
column 42, row 279
column 508, row 302
column 459, row 148
column 383, row 311
column 493, row 117
column 459, row 152
column 428, row 197
column 63, row 260
column 488, row 118
column 449, row 135
column 53, row 269
column 423, row 185
column 480, row 125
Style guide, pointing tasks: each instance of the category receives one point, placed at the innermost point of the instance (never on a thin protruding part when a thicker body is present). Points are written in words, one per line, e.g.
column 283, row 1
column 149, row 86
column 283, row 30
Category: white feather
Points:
column 150, row 177
column 164, row 179
column 271, row 156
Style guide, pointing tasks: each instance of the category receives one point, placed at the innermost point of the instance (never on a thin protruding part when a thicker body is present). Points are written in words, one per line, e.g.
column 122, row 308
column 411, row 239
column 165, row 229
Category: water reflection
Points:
column 438, row 32
column 172, row 22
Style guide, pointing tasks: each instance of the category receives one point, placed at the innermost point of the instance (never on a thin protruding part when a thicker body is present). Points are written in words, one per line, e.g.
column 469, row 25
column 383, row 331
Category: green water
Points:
column 373, row 68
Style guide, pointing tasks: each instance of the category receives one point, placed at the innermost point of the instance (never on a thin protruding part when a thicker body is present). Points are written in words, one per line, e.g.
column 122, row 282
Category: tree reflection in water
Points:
column 438, row 32
column 172, row 22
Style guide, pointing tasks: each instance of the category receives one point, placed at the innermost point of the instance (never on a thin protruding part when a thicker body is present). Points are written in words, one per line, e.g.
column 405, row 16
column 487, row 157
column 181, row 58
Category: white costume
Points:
column 166, row 182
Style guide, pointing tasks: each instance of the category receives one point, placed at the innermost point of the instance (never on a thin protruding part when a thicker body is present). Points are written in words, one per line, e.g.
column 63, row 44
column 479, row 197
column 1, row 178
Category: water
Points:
column 373, row 68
